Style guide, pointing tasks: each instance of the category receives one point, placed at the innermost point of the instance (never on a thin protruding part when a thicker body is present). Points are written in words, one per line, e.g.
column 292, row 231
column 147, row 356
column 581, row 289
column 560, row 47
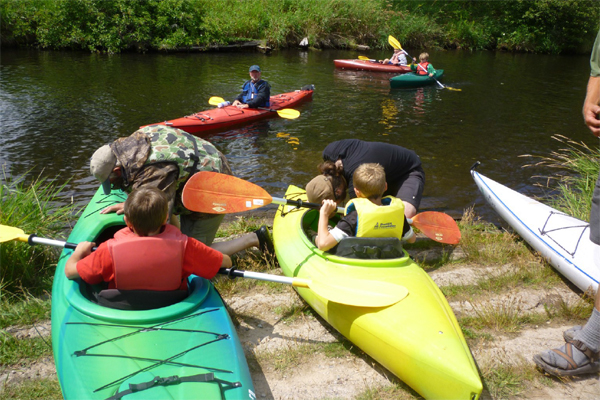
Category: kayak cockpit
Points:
column 363, row 248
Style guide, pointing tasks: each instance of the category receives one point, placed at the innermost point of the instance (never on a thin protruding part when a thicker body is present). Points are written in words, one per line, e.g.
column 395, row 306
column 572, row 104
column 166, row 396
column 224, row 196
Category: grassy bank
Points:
column 546, row 26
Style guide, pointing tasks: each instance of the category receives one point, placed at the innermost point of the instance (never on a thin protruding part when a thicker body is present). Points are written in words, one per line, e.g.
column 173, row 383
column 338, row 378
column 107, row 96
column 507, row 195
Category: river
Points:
column 58, row 107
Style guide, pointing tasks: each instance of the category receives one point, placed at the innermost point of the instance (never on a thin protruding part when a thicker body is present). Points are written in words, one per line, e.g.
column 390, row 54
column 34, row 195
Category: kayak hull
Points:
column 365, row 65
column 418, row 339
column 227, row 117
column 99, row 351
column 412, row 80
column 561, row 239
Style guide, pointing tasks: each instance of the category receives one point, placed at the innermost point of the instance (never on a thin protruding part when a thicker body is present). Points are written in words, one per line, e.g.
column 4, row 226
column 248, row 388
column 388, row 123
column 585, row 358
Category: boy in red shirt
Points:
column 148, row 254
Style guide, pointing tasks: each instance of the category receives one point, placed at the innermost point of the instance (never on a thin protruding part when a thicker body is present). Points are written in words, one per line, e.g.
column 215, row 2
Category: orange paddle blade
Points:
column 437, row 226
column 215, row 193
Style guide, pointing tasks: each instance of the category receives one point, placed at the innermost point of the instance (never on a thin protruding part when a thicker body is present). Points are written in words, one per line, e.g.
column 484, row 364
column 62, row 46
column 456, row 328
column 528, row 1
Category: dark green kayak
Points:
column 412, row 80
column 186, row 350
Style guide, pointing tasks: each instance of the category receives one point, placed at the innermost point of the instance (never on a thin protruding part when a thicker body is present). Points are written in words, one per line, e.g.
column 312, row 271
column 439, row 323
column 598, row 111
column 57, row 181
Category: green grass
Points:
column 23, row 351
column 32, row 208
column 24, row 311
column 47, row 389
column 572, row 186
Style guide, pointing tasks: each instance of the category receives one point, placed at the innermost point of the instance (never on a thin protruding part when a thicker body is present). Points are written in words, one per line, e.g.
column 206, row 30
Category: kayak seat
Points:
column 139, row 299
column 369, row 248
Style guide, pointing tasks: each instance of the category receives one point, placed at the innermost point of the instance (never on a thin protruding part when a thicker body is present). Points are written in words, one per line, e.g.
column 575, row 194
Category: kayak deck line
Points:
column 545, row 232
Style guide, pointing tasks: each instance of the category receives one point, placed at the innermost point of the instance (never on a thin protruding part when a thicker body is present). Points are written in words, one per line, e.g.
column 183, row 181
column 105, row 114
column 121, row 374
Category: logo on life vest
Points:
column 387, row 225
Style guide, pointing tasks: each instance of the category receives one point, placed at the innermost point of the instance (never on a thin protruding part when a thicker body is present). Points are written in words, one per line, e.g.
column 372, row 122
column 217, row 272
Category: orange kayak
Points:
column 226, row 117
column 366, row 65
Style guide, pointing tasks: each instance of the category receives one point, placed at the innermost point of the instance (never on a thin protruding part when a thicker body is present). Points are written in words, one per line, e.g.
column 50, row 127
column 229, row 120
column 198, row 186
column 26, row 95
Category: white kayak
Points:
column 561, row 239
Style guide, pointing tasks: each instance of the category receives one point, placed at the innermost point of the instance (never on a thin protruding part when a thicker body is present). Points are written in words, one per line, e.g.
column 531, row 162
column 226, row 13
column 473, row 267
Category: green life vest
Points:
column 386, row 220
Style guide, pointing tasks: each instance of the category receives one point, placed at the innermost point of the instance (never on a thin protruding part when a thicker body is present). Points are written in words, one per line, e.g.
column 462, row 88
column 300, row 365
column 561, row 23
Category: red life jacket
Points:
column 422, row 68
column 148, row 262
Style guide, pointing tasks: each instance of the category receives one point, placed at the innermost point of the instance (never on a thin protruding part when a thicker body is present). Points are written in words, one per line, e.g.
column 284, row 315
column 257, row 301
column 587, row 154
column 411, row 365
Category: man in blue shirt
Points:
column 255, row 92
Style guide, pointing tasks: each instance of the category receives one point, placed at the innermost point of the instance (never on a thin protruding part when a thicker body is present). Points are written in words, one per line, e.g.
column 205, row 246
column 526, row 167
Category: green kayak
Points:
column 412, row 80
column 187, row 350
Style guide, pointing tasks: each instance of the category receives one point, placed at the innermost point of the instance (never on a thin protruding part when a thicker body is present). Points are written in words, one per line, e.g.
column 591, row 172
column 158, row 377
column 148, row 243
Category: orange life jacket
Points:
column 422, row 68
column 148, row 262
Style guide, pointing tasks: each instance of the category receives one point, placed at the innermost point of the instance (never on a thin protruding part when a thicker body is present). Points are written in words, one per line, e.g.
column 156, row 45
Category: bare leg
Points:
column 233, row 246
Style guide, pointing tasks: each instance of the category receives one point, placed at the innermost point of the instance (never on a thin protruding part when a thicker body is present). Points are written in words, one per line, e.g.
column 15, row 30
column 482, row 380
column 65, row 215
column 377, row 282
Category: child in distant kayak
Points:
column 379, row 216
column 148, row 254
column 398, row 58
column 423, row 67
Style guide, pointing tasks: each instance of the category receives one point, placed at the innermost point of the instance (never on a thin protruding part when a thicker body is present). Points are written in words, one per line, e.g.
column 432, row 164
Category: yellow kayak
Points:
column 417, row 338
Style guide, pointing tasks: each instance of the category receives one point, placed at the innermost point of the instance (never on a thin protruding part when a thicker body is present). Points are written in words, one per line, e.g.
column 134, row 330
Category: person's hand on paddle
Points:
column 82, row 250
column 239, row 104
column 118, row 208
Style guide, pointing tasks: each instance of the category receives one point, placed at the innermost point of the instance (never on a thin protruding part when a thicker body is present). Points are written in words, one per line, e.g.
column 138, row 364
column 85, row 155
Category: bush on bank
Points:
column 547, row 26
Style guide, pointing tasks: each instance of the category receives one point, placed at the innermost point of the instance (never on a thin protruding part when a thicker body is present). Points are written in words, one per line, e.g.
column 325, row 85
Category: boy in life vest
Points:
column 368, row 215
column 398, row 58
column 423, row 67
column 148, row 254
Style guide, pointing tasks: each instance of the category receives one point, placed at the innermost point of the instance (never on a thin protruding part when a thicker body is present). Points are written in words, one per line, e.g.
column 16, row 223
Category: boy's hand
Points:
column 328, row 207
column 82, row 250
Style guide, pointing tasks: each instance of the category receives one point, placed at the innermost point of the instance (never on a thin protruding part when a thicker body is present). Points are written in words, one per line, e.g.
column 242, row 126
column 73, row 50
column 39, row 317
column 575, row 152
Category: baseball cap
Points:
column 101, row 165
column 254, row 68
column 319, row 188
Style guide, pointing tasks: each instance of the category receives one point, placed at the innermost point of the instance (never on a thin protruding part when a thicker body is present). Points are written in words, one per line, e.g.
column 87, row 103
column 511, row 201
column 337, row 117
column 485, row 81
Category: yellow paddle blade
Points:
column 394, row 42
column 455, row 89
column 288, row 113
column 363, row 58
column 355, row 292
column 214, row 101
column 8, row 233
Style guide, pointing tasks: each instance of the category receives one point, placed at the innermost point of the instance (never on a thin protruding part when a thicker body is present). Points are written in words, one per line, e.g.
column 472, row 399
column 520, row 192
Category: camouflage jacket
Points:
column 165, row 158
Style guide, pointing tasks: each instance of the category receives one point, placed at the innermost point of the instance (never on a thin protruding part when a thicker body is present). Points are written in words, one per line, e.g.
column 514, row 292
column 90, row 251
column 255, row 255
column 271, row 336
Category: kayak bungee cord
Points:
column 545, row 232
column 154, row 327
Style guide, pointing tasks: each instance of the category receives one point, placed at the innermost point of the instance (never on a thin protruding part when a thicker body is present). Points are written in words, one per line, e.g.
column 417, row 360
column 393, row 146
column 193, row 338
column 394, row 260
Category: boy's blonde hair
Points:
column 146, row 209
column 424, row 57
column 370, row 180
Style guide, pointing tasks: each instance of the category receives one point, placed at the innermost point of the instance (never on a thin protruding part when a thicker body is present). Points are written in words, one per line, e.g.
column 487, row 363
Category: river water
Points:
column 58, row 107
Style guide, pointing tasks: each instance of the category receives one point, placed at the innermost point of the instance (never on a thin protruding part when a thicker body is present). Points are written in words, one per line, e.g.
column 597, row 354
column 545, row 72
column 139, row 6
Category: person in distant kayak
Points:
column 255, row 92
column 368, row 215
column 423, row 67
column 403, row 170
column 398, row 58
column 581, row 352
column 149, row 254
column 165, row 157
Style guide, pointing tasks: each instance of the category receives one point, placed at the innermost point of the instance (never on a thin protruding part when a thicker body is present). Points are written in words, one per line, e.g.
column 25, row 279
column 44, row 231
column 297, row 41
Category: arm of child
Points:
column 408, row 234
column 226, row 263
column 82, row 250
column 325, row 240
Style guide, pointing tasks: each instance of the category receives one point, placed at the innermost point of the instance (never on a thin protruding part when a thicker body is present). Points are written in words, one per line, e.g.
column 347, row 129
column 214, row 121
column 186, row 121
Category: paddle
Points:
column 366, row 59
column 352, row 292
column 215, row 193
column 287, row 113
column 360, row 293
column 396, row 44
column 8, row 233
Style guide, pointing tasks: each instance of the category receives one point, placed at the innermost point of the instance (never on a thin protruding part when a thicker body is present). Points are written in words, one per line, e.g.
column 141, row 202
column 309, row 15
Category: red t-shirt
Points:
column 198, row 259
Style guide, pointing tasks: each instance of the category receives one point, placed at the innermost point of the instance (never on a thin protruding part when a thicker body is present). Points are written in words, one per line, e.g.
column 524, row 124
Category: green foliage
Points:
column 549, row 26
column 47, row 389
column 32, row 209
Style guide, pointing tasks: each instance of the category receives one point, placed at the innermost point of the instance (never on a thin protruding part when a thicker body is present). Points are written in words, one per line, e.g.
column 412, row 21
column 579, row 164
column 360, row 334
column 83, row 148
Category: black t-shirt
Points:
column 397, row 161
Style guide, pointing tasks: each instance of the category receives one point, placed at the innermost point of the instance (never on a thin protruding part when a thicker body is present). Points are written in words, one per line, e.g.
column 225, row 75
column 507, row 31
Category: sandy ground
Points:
column 265, row 334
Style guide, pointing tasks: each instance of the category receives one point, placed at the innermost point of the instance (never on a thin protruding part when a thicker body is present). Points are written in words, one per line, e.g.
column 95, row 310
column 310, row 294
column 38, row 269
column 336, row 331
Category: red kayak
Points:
column 222, row 118
column 366, row 65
